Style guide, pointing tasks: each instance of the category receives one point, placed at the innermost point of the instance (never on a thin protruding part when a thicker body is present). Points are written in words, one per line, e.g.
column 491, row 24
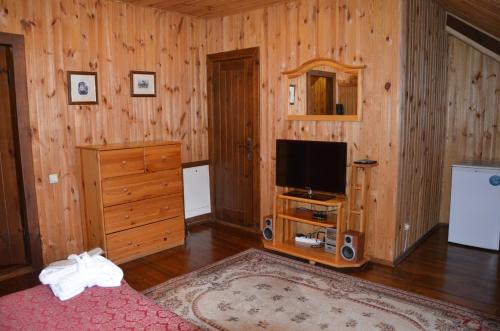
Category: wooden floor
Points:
column 465, row 276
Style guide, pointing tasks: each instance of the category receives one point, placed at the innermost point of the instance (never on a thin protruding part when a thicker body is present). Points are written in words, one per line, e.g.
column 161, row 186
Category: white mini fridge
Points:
column 475, row 204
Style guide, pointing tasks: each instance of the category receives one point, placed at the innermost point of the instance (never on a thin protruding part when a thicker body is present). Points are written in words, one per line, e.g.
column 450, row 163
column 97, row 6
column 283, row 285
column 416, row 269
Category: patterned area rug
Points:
column 256, row 290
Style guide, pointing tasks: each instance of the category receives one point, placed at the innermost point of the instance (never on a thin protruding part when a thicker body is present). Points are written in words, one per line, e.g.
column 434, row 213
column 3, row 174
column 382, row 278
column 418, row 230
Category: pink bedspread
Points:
column 119, row 308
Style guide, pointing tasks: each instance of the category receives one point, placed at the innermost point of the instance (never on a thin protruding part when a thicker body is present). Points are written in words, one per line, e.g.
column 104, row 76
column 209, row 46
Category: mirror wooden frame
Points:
column 350, row 69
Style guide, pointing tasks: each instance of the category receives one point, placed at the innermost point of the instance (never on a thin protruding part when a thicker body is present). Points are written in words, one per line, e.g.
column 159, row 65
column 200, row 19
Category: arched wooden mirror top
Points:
column 325, row 90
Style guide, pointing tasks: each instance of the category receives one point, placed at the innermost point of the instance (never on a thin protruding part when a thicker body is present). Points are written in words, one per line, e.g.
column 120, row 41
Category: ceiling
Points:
column 205, row 8
column 484, row 14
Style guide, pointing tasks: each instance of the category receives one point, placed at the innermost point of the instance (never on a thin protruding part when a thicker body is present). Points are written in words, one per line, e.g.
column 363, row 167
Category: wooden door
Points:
column 12, row 244
column 234, row 136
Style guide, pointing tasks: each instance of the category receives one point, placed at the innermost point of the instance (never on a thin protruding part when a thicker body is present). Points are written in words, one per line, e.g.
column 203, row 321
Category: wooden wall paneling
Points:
column 46, row 85
column 91, row 200
column 198, row 87
column 201, row 102
column 271, row 53
column 380, row 92
column 63, row 47
column 268, row 59
column 68, row 46
column 307, row 49
column 110, row 38
column 325, row 19
column 422, row 123
column 70, row 236
column 113, row 38
column 473, row 112
column 165, row 88
column 123, row 108
column 29, row 135
column 177, row 120
column 103, row 20
column 357, row 32
column 413, row 67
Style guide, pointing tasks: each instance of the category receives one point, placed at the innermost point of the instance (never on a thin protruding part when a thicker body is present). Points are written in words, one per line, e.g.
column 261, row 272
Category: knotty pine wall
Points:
column 110, row 38
column 473, row 122
column 113, row 38
column 352, row 32
column 423, row 121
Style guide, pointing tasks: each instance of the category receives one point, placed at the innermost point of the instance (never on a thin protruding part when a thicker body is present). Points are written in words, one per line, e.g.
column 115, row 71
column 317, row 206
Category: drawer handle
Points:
column 163, row 158
column 166, row 208
column 124, row 162
column 125, row 189
column 165, row 184
column 127, row 217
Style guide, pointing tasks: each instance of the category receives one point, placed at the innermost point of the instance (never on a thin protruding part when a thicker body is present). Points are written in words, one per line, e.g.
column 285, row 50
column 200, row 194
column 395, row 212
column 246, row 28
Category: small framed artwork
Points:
column 291, row 94
column 82, row 88
column 143, row 83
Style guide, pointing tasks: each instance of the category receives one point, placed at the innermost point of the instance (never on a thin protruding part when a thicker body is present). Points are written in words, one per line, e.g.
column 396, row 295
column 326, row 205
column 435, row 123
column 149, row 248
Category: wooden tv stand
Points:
column 289, row 220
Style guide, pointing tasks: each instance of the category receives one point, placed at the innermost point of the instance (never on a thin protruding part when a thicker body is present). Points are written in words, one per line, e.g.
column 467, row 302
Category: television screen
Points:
column 318, row 165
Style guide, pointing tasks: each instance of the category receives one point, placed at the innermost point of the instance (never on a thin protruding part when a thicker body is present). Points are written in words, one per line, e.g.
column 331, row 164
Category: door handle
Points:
column 249, row 148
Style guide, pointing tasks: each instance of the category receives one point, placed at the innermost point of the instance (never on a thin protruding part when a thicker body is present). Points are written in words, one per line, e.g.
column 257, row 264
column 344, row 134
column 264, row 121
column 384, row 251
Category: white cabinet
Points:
column 475, row 204
column 196, row 191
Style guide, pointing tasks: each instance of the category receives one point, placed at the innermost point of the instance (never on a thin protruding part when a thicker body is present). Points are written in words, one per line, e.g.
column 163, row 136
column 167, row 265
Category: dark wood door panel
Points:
column 233, row 138
column 11, row 220
column 20, row 115
column 229, row 128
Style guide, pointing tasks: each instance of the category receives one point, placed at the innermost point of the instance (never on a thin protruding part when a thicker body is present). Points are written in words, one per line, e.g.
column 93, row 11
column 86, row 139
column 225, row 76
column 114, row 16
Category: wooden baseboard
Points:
column 17, row 271
column 410, row 250
column 252, row 230
column 199, row 219
column 382, row 262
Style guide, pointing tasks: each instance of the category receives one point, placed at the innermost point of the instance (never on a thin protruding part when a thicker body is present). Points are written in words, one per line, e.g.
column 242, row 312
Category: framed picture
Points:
column 143, row 84
column 291, row 94
column 82, row 88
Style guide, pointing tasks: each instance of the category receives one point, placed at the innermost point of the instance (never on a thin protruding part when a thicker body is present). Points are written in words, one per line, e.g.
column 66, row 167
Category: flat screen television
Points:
column 312, row 165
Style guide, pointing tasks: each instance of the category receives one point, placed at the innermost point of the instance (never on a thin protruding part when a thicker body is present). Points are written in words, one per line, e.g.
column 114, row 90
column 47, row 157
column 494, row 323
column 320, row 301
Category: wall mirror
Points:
column 325, row 90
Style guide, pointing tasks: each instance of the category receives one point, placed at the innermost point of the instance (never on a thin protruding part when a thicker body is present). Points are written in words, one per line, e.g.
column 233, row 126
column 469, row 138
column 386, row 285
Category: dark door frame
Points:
column 254, row 54
column 20, row 101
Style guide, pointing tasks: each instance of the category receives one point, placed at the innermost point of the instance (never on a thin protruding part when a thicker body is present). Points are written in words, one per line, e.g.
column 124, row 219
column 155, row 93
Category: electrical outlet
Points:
column 406, row 226
column 53, row 178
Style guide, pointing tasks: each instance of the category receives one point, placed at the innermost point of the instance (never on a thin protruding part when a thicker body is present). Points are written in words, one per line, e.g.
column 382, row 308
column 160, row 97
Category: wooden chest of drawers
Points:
column 132, row 202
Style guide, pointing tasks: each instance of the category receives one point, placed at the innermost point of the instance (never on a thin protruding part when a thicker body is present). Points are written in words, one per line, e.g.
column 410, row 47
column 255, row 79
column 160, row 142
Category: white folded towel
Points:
column 55, row 271
column 68, row 279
